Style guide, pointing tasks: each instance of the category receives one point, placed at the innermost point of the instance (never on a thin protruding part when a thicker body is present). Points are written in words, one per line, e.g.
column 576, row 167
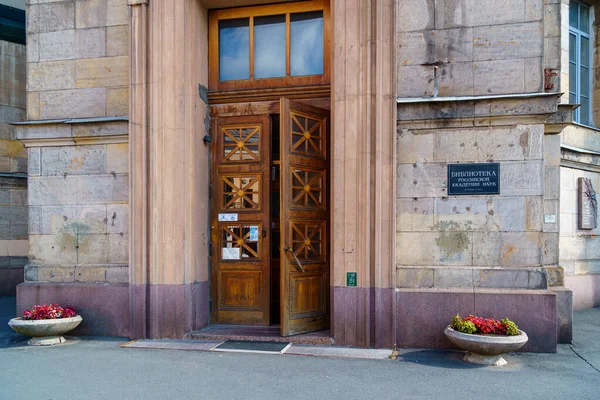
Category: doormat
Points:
column 248, row 346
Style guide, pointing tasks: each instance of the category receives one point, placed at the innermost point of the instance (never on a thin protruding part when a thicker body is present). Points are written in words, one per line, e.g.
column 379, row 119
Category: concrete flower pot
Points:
column 486, row 349
column 44, row 332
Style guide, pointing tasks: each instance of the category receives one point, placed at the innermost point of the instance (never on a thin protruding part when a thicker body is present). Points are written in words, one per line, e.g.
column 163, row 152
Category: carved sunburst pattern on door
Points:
column 241, row 192
column 307, row 188
column 307, row 240
column 241, row 143
column 307, row 135
column 240, row 242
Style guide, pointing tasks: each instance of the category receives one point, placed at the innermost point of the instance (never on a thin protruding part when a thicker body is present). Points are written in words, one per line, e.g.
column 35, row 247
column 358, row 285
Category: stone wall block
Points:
column 33, row 106
column 487, row 144
column 434, row 248
column 101, row 129
column 534, row 77
column 117, row 40
column 534, row 10
column 506, row 42
column 414, row 147
column 35, row 220
column 50, row 249
column 572, row 248
column 497, row 278
column 117, row 274
column 58, row 45
column 509, row 249
column 31, row 273
column 118, row 246
column 509, row 214
column 461, row 214
column 90, row 274
column 50, row 17
column 592, row 249
column 56, row 274
column 90, row 219
column 414, row 278
column 456, row 79
column 50, row 191
column 78, row 103
column 117, row 101
column 93, row 249
column 19, row 230
column 550, row 249
column 118, row 218
column 103, row 189
column 51, row 75
column 33, row 49
column 90, row 13
column 415, row 15
column 102, row 72
column 74, row 160
column 453, row 278
column 534, row 213
column 91, row 43
column 422, row 180
column 456, row 13
column 521, row 178
column 57, row 220
column 551, row 183
column 498, row 77
column 415, row 81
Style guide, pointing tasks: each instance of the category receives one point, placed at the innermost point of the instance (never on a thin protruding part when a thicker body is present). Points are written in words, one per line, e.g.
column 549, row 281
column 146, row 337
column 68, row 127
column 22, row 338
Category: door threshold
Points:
column 258, row 333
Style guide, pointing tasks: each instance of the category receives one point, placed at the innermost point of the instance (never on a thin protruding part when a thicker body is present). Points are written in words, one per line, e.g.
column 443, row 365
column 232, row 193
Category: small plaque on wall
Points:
column 588, row 204
column 473, row 179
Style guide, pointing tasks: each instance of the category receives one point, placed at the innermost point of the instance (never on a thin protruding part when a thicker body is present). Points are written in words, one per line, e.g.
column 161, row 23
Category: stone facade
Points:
column 475, row 82
column 13, row 169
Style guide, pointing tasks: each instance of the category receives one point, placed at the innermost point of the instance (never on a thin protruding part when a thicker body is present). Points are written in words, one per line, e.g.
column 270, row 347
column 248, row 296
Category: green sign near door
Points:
column 351, row 279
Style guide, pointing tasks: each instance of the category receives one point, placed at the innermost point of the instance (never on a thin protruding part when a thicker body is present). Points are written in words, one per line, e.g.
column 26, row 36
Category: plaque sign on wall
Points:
column 588, row 204
column 473, row 179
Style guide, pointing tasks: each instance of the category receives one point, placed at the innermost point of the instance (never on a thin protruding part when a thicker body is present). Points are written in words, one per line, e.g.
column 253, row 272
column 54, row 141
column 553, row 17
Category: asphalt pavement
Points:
column 98, row 368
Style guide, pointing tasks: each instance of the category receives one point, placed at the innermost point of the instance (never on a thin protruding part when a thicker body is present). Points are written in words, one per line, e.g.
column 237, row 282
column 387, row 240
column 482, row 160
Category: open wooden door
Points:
column 240, row 220
column 304, row 218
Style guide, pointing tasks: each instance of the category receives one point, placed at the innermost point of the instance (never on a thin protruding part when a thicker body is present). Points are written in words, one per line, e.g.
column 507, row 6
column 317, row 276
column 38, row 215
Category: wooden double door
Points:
column 269, row 230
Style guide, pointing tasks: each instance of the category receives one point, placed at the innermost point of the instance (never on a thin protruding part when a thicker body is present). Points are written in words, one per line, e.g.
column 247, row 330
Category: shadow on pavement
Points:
column 8, row 338
column 438, row 358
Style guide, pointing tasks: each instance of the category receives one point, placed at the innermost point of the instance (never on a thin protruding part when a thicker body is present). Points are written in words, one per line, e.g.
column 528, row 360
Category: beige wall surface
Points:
column 77, row 59
column 472, row 47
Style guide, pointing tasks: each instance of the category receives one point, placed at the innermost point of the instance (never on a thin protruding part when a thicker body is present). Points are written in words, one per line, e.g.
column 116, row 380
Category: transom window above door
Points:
column 278, row 45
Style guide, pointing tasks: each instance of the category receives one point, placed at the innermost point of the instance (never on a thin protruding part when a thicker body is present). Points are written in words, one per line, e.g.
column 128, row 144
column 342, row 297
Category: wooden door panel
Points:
column 240, row 257
column 304, row 218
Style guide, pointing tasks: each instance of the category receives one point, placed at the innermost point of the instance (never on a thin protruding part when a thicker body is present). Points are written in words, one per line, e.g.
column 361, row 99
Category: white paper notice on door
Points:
column 230, row 253
column 228, row 217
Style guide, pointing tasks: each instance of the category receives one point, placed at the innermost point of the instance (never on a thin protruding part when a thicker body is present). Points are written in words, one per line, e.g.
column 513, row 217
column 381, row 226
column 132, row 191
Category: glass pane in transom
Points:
column 306, row 43
column 574, row 15
column 269, row 46
column 234, row 49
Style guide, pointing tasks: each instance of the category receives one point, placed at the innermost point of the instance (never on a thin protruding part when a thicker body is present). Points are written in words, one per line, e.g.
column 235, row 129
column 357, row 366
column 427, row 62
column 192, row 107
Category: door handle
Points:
column 299, row 267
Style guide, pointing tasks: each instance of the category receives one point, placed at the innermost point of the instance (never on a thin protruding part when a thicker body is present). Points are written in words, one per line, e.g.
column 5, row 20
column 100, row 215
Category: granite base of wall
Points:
column 104, row 307
column 362, row 317
column 564, row 309
column 168, row 311
column 9, row 279
column 586, row 290
column 422, row 314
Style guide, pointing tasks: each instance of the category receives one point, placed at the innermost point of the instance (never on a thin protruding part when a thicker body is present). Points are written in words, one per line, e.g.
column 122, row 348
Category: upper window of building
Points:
column 269, row 46
column 12, row 24
column 580, row 61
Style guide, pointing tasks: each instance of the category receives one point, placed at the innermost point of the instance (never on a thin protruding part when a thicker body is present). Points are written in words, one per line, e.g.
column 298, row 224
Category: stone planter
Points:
column 44, row 332
column 486, row 349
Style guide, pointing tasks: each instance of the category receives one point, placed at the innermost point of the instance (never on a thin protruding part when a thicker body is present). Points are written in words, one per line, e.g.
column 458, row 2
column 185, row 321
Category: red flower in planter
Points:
column 485, row 326
column 49, row 311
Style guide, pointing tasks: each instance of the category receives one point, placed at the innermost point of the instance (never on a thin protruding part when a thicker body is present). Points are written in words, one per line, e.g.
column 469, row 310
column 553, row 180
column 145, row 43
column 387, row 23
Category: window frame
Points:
column 578, row 35
column 251, row 12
